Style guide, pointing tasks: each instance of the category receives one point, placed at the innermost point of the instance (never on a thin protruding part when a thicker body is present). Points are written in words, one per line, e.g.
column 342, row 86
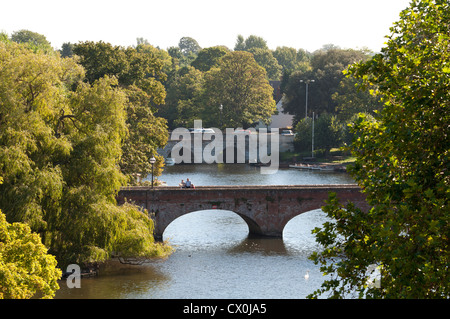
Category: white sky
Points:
column 307, row 24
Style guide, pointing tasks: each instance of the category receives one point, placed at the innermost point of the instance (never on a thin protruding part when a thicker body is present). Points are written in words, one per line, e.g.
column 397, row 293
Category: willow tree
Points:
column 402, row 164
column 139, row 72
column 60, row 149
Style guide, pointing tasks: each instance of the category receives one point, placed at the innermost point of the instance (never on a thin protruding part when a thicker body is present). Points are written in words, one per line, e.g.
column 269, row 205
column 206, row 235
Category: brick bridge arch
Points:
column 265, row 209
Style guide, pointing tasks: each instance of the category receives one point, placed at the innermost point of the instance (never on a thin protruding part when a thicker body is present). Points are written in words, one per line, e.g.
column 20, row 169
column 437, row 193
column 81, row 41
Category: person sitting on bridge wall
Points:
column 182, row 184
column 189, row 184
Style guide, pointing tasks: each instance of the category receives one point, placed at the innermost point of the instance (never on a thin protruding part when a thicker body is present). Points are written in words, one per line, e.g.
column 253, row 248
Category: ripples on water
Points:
column 214, row 256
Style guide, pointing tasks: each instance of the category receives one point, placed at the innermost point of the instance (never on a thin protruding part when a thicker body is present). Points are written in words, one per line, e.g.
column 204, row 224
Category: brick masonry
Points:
column 265, row 209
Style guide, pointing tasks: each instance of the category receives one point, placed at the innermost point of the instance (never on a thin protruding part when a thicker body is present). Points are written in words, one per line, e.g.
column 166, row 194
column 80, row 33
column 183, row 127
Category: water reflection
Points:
column 118, row 284
column 259, row 245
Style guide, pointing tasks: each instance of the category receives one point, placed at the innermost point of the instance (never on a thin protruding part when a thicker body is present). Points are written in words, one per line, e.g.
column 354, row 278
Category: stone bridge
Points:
column 265, row 209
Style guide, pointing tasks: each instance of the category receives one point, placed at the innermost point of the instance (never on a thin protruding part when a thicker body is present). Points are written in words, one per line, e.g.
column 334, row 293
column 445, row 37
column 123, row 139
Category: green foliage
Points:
column 209, row 57
column 328, row 133
column 235, row 92
column 291, row 59
column 326, row 69
column 139, row 72
column 350, row 100
column 252, row 42
column 303, row 137
column 61, row 142
column 185, row 96
column 32, row 39
column 265, row 58
column 238, row 90
column 26, row 269
column 189, row 46
column 66, row 50
column 402, row 163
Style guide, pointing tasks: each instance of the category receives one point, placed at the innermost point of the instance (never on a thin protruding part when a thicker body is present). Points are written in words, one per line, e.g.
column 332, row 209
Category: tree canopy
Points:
column 60, row 149
column 326, row 69
column 33, row 39
column 234, row 87
column 238, row 91
column 139, row 72
column 403, row 167
column 26, row 269
column 209, row 57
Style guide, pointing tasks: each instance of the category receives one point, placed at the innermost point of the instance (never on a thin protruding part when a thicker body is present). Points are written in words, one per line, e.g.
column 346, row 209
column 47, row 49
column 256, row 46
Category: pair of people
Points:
column 187, row 184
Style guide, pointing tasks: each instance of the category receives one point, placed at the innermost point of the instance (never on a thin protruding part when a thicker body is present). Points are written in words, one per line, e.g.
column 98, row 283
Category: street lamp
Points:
column 306, row 107
column 152, row 161
column 312, row 138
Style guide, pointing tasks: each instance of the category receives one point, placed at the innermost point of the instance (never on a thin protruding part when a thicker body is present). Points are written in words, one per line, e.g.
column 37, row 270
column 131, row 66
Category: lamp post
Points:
column 312, row 138
column 152, row 161
column 306, row 104
column 221, row 120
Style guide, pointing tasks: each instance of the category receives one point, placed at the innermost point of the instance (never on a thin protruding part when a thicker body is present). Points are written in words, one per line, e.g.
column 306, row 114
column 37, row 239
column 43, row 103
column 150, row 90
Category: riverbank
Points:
column 326, row 167
column 335, row 157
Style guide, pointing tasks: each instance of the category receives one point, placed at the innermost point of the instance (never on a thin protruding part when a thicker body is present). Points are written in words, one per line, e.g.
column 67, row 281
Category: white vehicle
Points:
column 242, row 131
column 202, row 130
column 287, row 133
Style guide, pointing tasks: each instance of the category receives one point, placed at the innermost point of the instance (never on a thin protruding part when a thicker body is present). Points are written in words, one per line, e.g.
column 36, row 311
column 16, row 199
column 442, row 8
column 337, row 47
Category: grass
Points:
column 336, row 156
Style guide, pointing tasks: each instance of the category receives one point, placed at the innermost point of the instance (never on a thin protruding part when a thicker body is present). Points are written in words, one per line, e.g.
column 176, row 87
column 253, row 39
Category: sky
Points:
column 305, row 24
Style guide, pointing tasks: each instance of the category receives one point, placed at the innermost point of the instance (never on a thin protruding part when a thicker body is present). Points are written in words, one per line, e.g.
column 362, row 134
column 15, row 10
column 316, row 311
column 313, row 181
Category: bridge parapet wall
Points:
column 265, row 209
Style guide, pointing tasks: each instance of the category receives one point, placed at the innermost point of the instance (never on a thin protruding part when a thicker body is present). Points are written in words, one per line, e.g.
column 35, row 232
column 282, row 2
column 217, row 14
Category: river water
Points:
column 214, row 257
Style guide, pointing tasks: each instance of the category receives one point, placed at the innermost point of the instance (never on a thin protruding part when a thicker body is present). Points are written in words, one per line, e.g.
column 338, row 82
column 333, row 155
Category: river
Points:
column 214, row 257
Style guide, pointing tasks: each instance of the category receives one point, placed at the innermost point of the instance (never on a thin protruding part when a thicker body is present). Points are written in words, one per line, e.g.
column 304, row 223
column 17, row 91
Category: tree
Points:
column 189, row 46
column 66, row 50
column 328, row 133
column 60, row 149
column 265, row 58
column 350, row 100
column 161, row 55
column 238, row 91
column 240, row 45
column 139, row 73
column 34, row 98
column 252, row 42
column 35, row 40
column 291, row 59
column 327, row 66
column 402, row 164
column 184, row 97
column 209, row 57
column 26, row 269
column 303, row 136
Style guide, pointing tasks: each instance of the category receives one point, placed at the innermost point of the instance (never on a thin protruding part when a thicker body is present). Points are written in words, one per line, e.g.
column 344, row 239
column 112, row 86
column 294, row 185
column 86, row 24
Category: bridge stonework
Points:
column 265, row 209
